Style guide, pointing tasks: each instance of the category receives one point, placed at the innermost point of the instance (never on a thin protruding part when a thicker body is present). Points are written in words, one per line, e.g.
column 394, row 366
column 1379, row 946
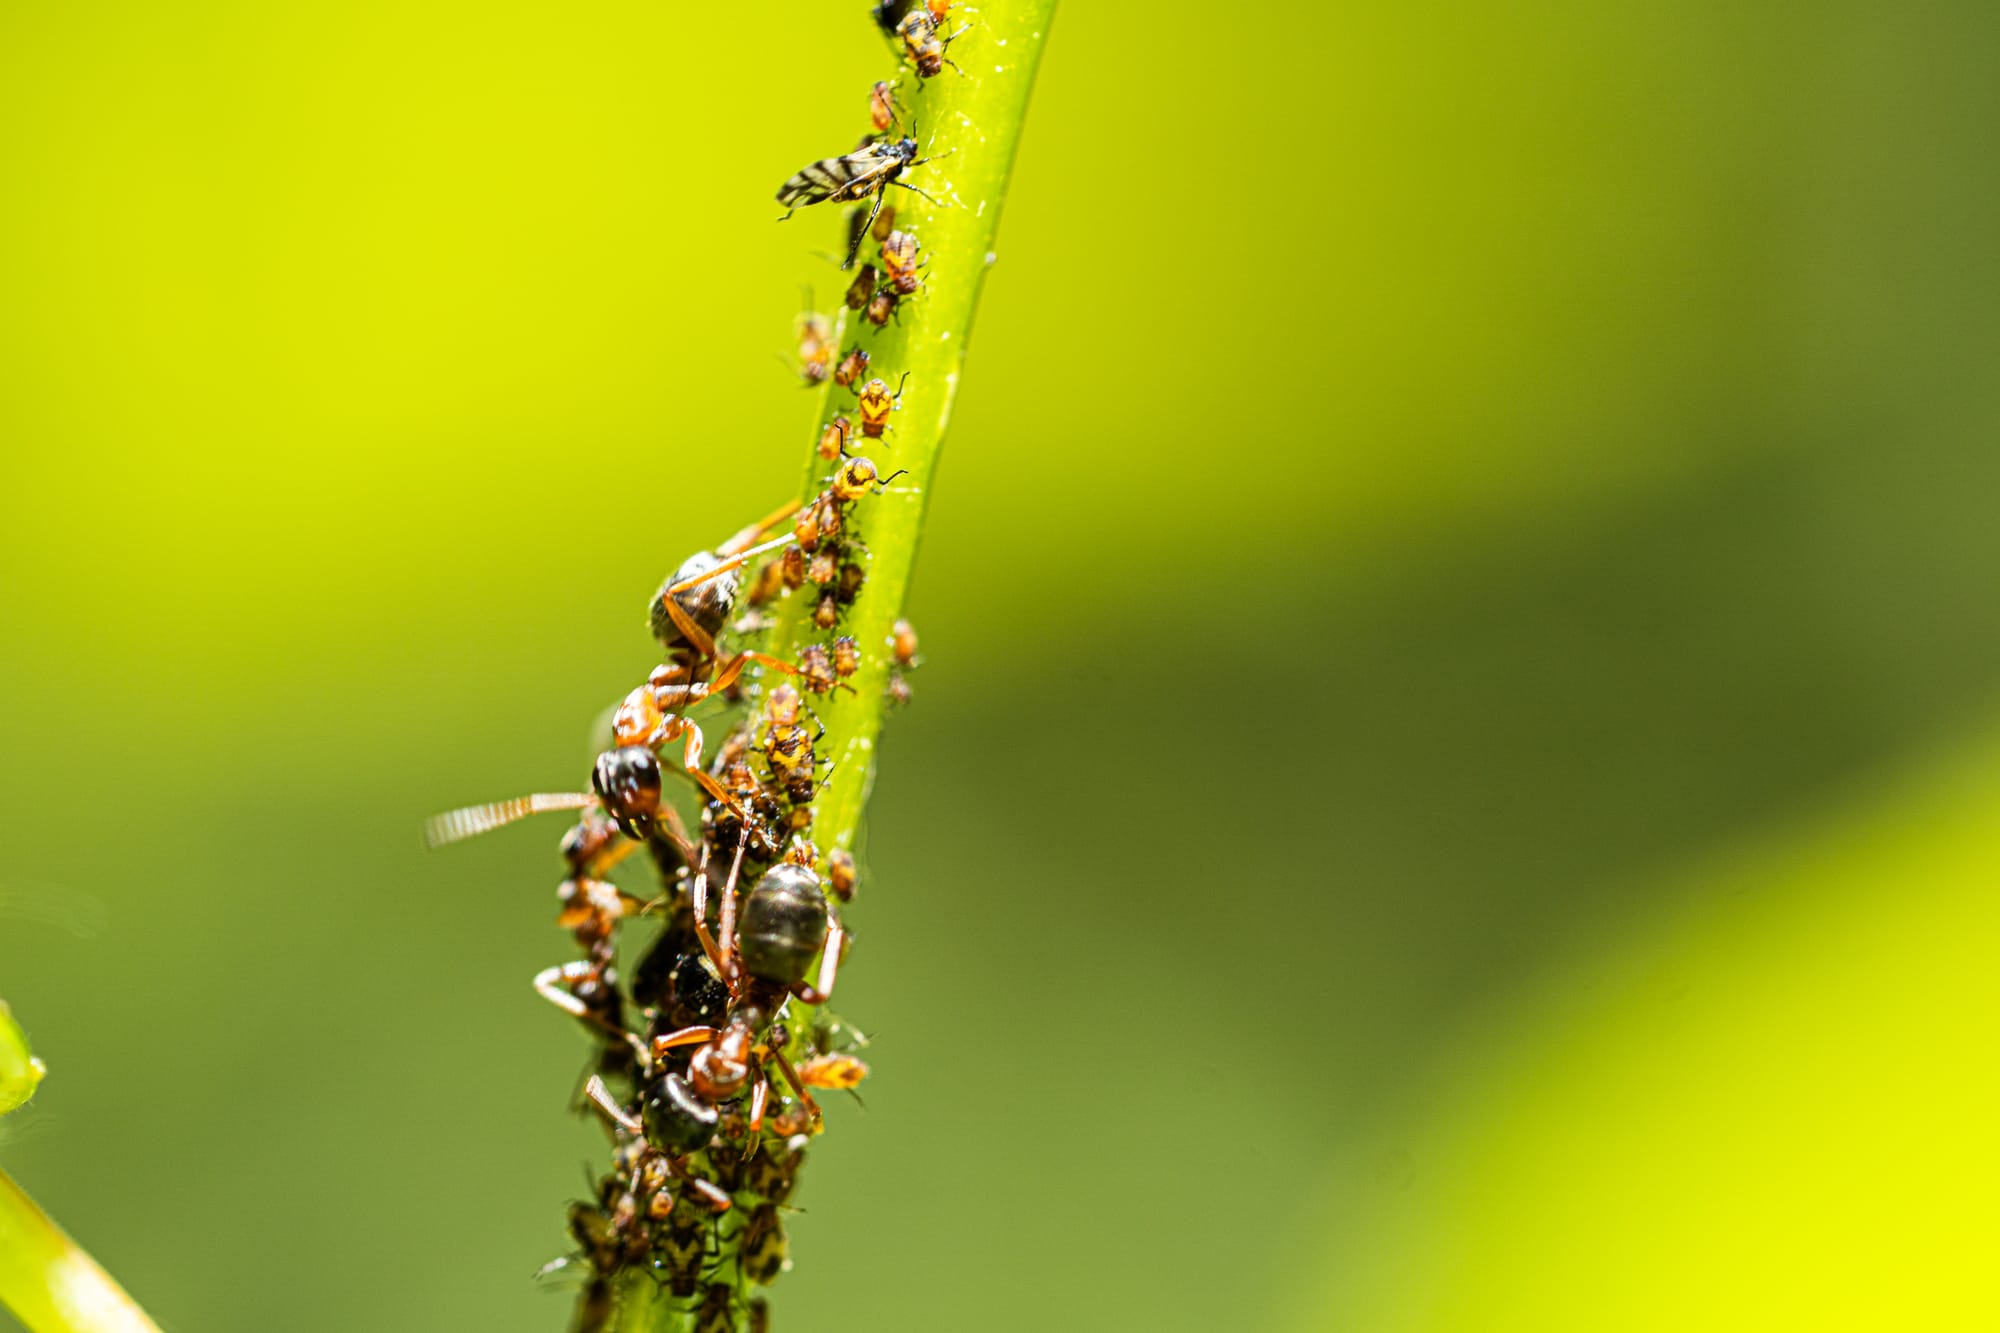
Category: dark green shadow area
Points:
column 1194, row 937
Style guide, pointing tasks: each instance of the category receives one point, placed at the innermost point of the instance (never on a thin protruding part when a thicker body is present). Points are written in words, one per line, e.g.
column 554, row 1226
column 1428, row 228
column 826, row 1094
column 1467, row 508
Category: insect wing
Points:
column 839, row 178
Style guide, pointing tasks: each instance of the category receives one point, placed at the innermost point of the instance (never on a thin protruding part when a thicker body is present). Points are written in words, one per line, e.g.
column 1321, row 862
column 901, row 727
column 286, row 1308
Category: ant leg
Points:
column 618, row 1115
column 760, row 1093
column 749, row 535
column 677, row 833
column 734, row 559
column 829, row 963
column 677, row 699
column 693, row 1036
column 549, row 985
column 698, row 638
column 675, row 727
column 727, row 676
column 716, row 958
column 728, row 922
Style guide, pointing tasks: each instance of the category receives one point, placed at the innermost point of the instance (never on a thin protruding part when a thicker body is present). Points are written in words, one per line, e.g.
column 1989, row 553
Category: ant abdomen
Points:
column 707, row 604
column 783, row 924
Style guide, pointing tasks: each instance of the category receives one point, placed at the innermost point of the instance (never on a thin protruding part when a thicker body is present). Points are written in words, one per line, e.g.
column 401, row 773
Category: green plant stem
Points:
column 969, row 124
column 46, row 1279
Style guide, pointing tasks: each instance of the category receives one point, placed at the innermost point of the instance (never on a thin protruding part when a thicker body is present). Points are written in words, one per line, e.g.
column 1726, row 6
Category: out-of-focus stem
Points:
column 46, row 1279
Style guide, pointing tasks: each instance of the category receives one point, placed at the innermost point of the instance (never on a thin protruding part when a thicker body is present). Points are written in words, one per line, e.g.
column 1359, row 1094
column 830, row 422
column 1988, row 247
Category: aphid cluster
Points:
column 704, row 993
column 704, row 1069
column 883, row 156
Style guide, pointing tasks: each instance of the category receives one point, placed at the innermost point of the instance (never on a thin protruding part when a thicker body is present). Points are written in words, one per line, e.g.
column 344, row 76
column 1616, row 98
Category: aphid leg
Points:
column 616, row 1114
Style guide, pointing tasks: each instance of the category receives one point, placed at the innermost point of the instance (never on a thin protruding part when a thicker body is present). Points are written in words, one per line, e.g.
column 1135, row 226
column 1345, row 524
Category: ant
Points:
column 626, row 782
column 765, row 952
column 672, row 1124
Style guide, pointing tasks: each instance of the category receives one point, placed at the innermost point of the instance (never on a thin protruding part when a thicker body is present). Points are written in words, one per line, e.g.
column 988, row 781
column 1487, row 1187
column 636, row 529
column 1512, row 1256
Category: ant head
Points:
column 719, row 1069
column 627, row 780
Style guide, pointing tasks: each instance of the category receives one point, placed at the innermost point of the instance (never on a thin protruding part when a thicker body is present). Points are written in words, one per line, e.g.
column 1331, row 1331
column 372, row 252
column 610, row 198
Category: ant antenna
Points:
column 457, row 825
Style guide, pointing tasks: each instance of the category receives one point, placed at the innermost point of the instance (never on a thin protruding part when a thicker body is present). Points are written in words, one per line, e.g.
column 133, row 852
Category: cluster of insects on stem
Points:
column 884, row 155
column 705, row 995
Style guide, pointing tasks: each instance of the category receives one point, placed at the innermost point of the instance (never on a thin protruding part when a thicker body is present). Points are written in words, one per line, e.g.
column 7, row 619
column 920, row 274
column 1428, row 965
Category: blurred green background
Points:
column 1457, row 784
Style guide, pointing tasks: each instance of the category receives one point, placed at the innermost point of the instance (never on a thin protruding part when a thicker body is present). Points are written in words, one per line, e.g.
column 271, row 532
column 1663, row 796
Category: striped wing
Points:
column 837, row 178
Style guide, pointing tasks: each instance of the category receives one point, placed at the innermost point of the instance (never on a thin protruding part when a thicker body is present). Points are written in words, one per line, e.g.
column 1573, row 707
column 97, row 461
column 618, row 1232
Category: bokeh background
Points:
column 1457, row 780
